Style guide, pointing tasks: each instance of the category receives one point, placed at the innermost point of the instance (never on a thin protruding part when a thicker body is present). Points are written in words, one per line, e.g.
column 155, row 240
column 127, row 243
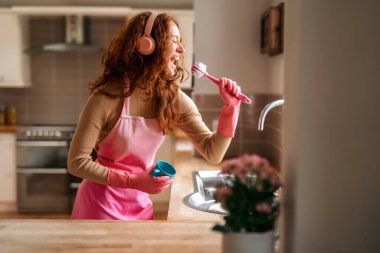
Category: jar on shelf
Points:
column 10, row 115
column 2, row 115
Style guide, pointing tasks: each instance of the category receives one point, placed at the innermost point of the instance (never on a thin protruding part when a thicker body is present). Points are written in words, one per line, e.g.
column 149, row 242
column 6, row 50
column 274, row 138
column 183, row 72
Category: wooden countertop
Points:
column 183, row 185
column 39, row 236
column 7, row 129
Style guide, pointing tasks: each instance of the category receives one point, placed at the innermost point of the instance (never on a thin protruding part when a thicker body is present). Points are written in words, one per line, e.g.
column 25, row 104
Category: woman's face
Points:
column 175, row 47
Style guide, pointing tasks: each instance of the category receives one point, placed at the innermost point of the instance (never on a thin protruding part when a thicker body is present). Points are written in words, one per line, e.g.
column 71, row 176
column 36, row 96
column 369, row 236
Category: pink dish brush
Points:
column 199, row 70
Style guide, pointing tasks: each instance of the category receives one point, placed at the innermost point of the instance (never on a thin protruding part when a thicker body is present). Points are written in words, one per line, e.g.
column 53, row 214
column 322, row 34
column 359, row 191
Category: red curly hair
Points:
column 122, row 60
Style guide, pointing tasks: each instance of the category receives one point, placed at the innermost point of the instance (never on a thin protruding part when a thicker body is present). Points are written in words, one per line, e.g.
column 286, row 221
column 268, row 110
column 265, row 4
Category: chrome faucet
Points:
column 265, row 111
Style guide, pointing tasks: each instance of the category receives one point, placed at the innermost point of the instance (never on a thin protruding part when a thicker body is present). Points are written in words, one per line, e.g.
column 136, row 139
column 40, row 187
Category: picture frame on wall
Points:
column 272, row 30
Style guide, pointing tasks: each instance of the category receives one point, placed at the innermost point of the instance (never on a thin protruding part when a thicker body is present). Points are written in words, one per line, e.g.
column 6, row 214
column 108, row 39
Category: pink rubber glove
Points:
column 229, row 90
column 230, row 112
column 142, row 181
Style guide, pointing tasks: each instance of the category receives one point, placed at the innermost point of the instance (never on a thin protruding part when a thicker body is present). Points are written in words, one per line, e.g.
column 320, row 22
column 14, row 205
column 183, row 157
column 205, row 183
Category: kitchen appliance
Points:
column 76, row 38
column 42, row 177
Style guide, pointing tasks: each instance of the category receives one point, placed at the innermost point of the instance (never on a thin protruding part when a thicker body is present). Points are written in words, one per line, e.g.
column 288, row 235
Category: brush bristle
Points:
column 198, row 69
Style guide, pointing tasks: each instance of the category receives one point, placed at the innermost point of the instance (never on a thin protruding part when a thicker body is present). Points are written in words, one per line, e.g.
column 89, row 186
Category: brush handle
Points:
column 243, row 98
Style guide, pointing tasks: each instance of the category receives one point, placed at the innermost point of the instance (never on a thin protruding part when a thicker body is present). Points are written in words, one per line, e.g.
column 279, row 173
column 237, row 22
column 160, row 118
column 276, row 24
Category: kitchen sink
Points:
column 204, row 187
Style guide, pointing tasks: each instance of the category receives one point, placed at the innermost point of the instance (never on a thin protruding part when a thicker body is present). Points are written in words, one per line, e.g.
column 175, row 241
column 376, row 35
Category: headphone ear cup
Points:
column 146, row 45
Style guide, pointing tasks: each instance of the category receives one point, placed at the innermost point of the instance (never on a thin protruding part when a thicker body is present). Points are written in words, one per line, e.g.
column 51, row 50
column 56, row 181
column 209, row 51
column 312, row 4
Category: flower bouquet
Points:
column 248, row 195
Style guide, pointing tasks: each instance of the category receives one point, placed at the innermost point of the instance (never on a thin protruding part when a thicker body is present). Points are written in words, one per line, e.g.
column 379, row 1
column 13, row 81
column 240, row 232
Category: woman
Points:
column 133, row 104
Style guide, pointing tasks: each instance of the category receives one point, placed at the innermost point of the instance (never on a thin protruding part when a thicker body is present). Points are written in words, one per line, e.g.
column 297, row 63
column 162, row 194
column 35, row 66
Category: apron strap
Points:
column 125, row 111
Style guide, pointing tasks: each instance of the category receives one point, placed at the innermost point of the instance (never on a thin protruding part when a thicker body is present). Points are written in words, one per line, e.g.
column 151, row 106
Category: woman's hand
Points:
column 229, row 90
column 229, row 114
column 146, row 183
column 142, row 181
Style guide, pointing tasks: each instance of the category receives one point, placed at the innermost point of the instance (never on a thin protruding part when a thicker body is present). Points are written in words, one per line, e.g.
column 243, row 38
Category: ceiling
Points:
column 157, row 4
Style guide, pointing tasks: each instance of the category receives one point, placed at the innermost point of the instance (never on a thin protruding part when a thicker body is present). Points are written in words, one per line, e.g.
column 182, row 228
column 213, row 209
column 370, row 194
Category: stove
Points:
column 43, row 182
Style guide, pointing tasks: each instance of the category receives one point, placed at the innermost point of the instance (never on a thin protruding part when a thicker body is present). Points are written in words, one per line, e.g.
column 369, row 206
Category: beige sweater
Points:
column 101, row 113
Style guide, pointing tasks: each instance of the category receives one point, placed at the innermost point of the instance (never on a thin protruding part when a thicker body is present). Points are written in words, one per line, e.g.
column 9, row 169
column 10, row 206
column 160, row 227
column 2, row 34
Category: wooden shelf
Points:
column 7, row 129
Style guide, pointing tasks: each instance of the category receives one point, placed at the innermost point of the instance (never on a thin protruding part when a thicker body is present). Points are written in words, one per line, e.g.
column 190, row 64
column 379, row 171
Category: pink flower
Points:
column 259, row 162
column 255, row 162
column 263, row 207
column 229, row 166
column 247, row 160
column 242, row 172
column 251, row 178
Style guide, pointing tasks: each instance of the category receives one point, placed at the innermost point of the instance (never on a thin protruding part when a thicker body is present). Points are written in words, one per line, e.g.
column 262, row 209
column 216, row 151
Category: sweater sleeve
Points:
column 92, row 121
column 211, row 145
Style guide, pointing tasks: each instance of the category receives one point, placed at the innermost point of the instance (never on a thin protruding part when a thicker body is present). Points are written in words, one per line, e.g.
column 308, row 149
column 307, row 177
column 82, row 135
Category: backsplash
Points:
column 248, row 139
column 60, row 79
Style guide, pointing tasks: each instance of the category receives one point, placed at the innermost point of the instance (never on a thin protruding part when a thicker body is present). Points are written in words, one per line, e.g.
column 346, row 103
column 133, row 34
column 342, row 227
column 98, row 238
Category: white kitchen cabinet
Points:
column 7, row 171
column 14, row 64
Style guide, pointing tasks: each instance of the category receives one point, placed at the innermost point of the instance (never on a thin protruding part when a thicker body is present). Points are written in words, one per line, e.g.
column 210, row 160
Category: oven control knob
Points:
column 51, row 133
column 34, row 133
column 58, row 134
column 28, row 133
column 39, row 133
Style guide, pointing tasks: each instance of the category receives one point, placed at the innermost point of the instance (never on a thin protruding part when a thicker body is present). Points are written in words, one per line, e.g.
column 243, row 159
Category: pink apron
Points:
column 131, row 145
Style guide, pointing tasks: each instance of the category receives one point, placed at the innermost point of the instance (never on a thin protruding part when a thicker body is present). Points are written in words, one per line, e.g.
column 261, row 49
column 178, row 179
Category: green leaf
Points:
column 220, row 228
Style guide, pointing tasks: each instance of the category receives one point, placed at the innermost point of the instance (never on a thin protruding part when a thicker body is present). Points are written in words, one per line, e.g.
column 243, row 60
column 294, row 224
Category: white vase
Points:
column 248, row 242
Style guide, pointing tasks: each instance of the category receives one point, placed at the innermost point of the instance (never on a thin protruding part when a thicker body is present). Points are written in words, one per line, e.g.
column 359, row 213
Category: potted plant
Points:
column 248, row 194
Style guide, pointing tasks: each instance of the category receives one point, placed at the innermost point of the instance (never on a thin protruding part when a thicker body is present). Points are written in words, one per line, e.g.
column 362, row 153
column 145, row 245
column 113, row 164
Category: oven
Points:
column 42, row 176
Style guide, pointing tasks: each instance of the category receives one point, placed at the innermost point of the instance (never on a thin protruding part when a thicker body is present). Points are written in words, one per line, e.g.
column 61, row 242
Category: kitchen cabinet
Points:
column 14, row 64
column 7, row 171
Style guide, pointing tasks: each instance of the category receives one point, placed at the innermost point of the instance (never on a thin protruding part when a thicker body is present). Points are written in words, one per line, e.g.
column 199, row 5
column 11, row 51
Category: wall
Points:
column 331, row 127
column 59, row 80
column 228, row 42
column 229, row 45
column 247, row 139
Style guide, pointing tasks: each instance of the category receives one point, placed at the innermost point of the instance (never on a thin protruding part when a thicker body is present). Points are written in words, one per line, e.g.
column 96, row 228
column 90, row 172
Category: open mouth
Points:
column 173, row 62
column 174, row 59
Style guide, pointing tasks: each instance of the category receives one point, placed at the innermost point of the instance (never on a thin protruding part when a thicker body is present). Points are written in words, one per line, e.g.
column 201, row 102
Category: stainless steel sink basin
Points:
column 204, row 187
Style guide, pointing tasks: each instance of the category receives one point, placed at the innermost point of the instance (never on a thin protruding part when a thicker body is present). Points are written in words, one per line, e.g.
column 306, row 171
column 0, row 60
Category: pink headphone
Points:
column 146, row 44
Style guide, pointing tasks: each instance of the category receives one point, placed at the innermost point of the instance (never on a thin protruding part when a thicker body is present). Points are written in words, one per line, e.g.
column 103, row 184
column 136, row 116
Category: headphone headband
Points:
column 149, row 24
